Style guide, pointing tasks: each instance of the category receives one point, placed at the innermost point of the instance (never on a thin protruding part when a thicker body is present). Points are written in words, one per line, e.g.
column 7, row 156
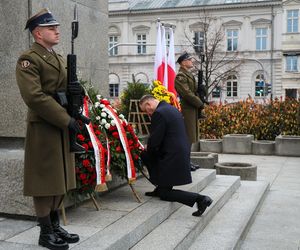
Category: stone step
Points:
column 127, row 230
column 229, row 226
column 181, row 229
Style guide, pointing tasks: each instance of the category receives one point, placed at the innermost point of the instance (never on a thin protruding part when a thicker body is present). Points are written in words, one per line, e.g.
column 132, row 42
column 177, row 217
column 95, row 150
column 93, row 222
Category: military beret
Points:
column 43, row 18
column 184, row 56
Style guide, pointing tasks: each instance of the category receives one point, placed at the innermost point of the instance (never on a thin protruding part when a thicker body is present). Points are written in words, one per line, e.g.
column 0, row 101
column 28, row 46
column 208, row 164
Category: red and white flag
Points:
column 164, row 56
column 171, row 64
column 158, row 63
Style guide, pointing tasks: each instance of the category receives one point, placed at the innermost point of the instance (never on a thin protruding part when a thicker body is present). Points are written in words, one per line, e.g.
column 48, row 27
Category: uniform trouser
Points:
column 184, row 197
column 45, row 204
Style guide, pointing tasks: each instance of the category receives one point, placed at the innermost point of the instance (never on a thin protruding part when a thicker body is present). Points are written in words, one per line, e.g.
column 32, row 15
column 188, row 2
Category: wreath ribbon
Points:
column 124, row 141
column 99, row 151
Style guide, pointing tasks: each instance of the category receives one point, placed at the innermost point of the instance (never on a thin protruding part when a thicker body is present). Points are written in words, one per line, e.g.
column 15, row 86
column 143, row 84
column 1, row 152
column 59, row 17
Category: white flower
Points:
column 97, row 104
column 102, row 106
column 107, row 125
column 98, row 118
column 98, row 97
column 122, row 116
column 109, row 116
column 103, row 121
column 103, row 114
column 113, row 123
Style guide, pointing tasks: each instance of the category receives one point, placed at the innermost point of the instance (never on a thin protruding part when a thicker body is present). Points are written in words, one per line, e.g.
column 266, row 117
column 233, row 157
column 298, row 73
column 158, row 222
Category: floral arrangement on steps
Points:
column 160, row 92
column 111, row 147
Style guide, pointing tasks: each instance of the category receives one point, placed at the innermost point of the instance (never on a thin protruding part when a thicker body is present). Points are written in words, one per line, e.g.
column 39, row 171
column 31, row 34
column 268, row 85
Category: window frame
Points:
column 232, row 39
column 114, row 89
column 114, row 51
column 141, row 48
column 262, row 37
column 289, row 64
column 292, row 22
column 232, row 80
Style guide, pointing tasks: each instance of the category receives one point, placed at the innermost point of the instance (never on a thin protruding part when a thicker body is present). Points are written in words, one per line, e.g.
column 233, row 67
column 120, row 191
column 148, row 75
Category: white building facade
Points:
column 264, row 34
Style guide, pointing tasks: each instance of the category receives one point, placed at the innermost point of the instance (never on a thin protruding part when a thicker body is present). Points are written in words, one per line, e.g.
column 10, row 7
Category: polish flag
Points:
column 164, row 57
column 158, row 63
column 171, row 65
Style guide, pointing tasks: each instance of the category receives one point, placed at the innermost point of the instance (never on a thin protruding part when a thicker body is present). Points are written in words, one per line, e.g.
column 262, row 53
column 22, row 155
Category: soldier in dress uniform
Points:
column 191, row 104
column 49, row 170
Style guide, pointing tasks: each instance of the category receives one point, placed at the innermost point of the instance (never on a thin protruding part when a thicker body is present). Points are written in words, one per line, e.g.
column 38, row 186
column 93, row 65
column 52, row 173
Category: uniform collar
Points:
column 47, row 56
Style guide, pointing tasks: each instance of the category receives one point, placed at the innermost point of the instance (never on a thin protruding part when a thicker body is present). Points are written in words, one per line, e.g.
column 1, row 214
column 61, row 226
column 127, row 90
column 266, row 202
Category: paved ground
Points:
column 276, row 226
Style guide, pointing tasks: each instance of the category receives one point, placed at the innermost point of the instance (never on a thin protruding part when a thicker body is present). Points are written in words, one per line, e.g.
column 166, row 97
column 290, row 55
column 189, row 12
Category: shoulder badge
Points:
column 25, row 63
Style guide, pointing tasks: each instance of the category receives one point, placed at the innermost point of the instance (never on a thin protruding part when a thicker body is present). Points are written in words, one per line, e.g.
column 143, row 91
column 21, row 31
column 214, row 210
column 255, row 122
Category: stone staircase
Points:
column 123, row 223
column 157, row 224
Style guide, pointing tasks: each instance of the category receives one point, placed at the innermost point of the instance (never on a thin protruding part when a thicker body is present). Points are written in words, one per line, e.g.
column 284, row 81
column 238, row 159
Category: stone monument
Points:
column 92, row 66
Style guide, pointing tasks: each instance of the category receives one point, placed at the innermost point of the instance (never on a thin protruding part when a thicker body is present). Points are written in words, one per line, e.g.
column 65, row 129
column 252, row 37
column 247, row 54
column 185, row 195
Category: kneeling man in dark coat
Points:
column 167, row 155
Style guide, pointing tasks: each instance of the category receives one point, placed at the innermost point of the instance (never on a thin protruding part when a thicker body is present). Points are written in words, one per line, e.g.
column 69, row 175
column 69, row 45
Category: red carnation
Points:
column 97, row 132
column 115, row 134
column 80, row 137
column 82, row 176
column 118, row 149
column 86, row 163
column 85, row 146
column 130, row 142
column 90, row 144
column 112, row 128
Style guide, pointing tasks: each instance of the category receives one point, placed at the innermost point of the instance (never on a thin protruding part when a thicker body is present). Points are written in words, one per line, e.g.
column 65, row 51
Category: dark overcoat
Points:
column 49, row 166
column 186, row 87
column 168, row 147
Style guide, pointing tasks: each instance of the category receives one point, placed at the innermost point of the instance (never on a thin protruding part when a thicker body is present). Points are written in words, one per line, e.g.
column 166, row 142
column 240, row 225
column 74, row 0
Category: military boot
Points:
column 47, row 237
column 59, row 231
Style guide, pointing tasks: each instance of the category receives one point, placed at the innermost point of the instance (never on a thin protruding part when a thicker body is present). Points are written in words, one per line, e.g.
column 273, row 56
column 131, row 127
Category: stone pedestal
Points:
column 211, row 145
column 263, row 147
column 288, row 145
column 204, row 159
column 245, row 170
column 238, row 143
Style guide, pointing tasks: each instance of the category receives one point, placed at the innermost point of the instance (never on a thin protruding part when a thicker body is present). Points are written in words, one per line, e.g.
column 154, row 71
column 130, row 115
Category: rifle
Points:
column 75, row 92
column 201, row 90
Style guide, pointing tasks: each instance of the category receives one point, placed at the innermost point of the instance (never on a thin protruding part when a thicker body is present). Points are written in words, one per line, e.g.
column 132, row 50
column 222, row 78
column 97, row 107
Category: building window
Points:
column 232, row 40
column 113, row 90
column 291, row 63
column 260, row 86
column 291, row 93
column 113, row 40
column 231, row 86
column 216, row 93
column 141, row 40
column 199, row 40
column 261, row 38
column 292, row 21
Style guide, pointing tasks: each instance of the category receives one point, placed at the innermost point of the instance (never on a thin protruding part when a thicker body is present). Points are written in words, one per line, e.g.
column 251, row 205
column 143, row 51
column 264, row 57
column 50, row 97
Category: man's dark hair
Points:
column 146, row 98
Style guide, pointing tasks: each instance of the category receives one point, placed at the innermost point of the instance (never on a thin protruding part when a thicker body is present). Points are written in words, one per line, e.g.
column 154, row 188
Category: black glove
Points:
column 74, row 125
column 74, row 88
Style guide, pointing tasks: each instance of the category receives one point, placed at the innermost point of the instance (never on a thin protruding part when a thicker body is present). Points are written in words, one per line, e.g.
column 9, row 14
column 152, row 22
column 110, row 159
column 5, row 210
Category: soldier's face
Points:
column 188, row 63
column 48, row 35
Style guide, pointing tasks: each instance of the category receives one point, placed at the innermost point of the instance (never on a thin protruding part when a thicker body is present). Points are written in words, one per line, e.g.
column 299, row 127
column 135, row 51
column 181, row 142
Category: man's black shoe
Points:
column 194, row 167
column 154, row 193
column 202, row 204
